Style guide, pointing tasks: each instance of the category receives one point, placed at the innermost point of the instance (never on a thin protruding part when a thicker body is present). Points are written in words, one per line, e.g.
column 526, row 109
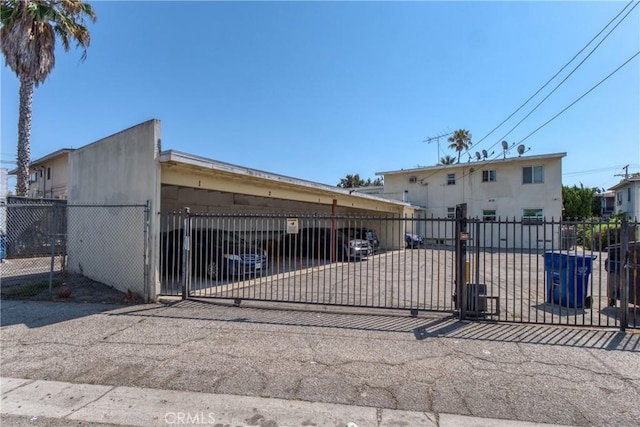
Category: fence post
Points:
column 624, row 274
column 146, row 263
column 461, row 258
column 53, row 248
column 186, row 254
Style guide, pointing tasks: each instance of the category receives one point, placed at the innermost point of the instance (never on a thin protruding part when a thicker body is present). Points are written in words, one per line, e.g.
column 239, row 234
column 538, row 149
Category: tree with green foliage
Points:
column 27, row 40
column 579, row 202
column 460, row 140
column 353, row 181
column 446, row 160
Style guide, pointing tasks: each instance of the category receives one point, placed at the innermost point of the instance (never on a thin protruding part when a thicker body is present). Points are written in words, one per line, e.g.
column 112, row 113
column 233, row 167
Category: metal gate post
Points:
column 624, row 274
column 186, row 254
column 461, row 258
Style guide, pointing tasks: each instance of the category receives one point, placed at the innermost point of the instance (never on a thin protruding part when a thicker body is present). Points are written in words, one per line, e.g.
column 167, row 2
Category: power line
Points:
column 483, row 164
column 561, row 69
column 582, row 96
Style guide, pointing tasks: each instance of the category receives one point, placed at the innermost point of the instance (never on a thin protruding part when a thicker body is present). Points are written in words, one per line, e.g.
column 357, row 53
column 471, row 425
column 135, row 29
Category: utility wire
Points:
column 567, row 77
column 550, row 80
column 583, row 95
column 561, row 69
column 562, row 111
column 497, row 157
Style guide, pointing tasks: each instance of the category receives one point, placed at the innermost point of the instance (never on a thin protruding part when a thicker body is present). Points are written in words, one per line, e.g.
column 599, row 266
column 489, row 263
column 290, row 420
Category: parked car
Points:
column 413, row 240
column 363, row 233
column 316, row 242
column 214, row 253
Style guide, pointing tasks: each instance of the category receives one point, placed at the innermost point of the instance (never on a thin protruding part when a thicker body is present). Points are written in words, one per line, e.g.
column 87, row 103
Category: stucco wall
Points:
column 507, row 195
column 122, row 169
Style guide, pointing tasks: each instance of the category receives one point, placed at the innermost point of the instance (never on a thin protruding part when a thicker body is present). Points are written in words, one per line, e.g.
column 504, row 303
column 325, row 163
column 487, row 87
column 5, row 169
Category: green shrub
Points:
column 598, row 236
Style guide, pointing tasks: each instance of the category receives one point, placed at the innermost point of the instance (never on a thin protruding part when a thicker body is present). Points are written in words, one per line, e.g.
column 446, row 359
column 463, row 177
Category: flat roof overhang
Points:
column 186, row 170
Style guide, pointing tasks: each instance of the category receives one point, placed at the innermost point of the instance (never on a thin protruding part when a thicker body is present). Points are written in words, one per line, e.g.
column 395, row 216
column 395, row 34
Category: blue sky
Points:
column 318, row 90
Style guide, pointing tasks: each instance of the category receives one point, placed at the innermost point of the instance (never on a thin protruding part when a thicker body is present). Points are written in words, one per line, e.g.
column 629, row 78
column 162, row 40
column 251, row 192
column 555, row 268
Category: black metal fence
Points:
column 515, row 270
column 48, row 246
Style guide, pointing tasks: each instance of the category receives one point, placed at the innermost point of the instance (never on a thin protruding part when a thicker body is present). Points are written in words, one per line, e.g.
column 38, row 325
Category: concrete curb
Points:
column 129, row 406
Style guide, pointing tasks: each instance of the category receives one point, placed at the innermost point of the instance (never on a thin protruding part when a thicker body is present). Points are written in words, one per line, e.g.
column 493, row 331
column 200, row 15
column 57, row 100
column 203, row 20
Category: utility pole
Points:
column 437, row 139
column 625, row 175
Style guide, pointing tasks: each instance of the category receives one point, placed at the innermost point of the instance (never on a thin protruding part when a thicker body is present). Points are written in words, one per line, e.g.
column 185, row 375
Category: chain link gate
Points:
column 47, row 244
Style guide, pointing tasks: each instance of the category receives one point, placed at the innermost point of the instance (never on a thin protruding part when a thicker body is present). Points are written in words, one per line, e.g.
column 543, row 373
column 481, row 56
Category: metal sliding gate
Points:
column 523, row 270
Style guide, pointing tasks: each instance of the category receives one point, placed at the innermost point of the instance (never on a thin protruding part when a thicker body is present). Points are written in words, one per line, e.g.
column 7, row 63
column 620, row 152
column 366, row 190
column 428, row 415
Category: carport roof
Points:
column 181, row 158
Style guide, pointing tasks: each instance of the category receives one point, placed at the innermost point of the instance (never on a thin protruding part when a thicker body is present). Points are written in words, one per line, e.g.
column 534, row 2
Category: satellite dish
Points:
column 505, row 145
column 484, row 154
column 521, row 149
column 477, row 155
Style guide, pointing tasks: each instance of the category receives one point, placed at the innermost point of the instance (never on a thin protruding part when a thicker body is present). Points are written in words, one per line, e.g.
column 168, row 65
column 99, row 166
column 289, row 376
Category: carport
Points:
column 130, row 169
column 207, row 185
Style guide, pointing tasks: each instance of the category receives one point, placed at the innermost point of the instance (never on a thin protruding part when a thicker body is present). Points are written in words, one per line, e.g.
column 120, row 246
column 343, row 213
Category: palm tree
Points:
column 460, row 140
column 28, row 39
column 446, row 160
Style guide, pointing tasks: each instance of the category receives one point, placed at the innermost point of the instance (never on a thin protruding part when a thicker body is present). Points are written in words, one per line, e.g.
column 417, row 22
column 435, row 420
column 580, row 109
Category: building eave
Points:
column 181, row 158
column 624, row 183
column 478, row 163
column 46, row 158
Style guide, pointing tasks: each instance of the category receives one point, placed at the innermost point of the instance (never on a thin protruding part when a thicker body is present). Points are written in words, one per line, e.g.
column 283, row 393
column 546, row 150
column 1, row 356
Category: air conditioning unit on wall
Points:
column 413, row 179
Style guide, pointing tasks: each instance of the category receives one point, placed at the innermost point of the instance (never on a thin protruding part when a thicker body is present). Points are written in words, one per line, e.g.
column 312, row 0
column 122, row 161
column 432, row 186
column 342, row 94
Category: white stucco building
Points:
column 627, row 196
column 526, row 189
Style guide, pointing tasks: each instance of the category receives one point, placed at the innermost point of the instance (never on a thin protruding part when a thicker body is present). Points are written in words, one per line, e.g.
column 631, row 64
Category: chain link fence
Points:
column 85, row 252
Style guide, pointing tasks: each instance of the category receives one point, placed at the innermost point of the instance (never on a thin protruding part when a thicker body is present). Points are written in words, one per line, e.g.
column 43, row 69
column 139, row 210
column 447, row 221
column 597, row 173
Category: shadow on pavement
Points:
column 36, row 314
column 440, row 325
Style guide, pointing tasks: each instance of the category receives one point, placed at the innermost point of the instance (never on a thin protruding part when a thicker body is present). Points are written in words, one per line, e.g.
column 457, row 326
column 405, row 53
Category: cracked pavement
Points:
column 379, row 359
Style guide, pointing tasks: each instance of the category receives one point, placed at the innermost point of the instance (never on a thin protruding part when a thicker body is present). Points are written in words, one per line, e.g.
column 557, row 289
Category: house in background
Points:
column 627, row 196
column 49, row 175
column 607, row 203
column 524, row 188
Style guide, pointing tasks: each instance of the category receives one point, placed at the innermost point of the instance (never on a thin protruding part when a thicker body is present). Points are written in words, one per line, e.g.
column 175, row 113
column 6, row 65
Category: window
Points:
column 48, row 173
column 619, row 197
column 489, row 215
column 532, row 216
column 489, row 176
column 451, row 213
column 33, row 177
column 533, row 175
column 629, row 194
column 451, row 179
column 41, row 175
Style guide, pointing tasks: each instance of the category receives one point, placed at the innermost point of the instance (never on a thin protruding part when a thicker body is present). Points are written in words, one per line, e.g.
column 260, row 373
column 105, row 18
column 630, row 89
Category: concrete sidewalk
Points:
column 367, row 362
column 30, row 401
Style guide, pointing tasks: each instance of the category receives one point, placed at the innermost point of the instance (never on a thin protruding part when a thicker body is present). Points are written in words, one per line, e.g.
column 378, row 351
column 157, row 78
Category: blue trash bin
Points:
column 568, row 278
column 3, row 247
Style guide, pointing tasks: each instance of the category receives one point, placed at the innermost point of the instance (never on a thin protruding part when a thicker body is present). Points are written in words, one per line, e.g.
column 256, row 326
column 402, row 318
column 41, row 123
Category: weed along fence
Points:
column 45, row 245
column 520, row 270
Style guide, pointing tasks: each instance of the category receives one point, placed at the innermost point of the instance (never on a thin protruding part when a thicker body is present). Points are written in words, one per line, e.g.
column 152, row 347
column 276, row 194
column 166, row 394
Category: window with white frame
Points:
column 533, row 174
column 33, row 177
column 489, row 215
column 489, row 176
column 532, row 216
column 451, row 213
column 451, row 179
